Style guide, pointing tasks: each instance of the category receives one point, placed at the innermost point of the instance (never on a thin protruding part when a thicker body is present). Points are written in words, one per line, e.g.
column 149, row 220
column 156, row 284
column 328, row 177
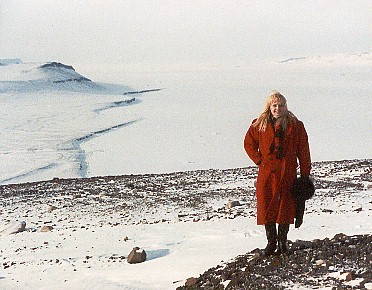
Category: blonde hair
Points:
column 265, row 117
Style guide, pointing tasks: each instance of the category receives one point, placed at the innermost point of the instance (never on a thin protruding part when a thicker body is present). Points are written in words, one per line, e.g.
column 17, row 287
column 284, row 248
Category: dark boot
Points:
column 282, row 239
column 271, row 239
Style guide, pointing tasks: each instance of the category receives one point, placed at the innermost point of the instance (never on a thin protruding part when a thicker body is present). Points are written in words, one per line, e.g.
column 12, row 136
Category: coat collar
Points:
column 287, row 132
column 289, row 129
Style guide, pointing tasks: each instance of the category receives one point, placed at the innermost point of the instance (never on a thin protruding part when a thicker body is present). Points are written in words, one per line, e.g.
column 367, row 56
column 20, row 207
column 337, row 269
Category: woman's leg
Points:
column 282, row 238
column 272, row 237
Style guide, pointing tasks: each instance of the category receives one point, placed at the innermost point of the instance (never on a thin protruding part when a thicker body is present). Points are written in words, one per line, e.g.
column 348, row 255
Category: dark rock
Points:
column 339, row 236
column 136, row 256
column 190, row 281
column 12, row 228
column 347, row 276
column 55, row 64
column 316, row 261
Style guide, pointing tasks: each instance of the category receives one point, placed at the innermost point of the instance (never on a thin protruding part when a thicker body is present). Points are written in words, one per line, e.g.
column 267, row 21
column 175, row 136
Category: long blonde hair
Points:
column 265, row 117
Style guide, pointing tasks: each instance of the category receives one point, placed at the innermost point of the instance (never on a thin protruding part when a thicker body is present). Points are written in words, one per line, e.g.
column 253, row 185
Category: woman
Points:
column 274, row 141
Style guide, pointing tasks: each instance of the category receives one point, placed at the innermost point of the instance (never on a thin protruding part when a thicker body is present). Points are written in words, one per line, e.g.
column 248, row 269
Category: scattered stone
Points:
column 341, row 184
column 300, row 244
column 359, row 209
column 339, row 236
column 190, row 281
column 296, row 270
column 51, row 208
column 12, row 228
column 189, row 192
column 232, row 204
column 137, row 255
column 45, row 229
column 181, row 215
column 347, row 276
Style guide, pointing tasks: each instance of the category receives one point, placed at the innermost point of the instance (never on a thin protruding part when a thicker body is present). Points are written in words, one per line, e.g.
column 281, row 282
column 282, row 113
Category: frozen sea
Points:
column 197, row 120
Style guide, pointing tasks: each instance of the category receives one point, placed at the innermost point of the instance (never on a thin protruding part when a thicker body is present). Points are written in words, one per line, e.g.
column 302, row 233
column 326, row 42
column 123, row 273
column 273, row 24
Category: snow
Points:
column 199, row 113
column 93, row 233
column 325, row 60
column 90, row 257
column 6, row 61
column 196, row 121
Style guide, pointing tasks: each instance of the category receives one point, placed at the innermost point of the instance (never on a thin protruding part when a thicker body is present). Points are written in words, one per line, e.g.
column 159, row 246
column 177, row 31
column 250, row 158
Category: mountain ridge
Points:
column 19, row 77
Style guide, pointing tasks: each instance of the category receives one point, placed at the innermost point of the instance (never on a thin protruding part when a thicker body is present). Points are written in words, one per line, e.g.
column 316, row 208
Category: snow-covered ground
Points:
column 55, row 122
column 180, row 220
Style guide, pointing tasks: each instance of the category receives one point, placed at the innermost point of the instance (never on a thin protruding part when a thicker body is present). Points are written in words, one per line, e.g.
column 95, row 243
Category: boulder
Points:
column 191, row 281
column 137, row 255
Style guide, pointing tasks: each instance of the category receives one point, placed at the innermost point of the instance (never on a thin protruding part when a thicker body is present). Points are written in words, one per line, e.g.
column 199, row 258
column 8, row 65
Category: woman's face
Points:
column 278, row 109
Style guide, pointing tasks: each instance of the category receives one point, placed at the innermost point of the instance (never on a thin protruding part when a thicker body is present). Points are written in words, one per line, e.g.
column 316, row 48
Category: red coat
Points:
column 275, row 203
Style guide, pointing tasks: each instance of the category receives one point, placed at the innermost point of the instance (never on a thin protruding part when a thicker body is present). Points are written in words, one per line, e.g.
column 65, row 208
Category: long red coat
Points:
column 275, row 203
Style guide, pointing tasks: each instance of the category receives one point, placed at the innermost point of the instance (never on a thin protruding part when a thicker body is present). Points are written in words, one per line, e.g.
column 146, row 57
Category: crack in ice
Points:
column 81, row 154
column 28, row 173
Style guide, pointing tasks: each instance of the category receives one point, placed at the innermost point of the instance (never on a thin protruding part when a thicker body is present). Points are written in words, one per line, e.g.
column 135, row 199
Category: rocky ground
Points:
column 341, row 186
column 310, row 265
column 185, row 196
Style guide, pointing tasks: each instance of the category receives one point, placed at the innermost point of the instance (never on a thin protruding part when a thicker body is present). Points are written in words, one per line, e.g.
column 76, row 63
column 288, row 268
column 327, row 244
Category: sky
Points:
column 193, row 31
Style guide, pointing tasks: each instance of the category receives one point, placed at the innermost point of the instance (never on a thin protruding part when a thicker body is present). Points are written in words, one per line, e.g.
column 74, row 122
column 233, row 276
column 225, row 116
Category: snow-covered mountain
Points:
column 19, row 77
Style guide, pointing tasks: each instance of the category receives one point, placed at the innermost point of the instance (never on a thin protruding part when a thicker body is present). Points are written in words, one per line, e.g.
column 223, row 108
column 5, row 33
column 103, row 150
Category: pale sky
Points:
column 136, row 31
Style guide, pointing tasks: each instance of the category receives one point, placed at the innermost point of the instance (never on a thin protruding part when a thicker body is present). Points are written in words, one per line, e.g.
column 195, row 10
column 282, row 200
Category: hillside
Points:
column 19, row 77
column 182, row 221
column 340, row 262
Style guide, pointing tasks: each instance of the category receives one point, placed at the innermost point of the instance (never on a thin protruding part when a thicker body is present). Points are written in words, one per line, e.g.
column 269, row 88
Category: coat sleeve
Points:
column 251, row 144
column 303, row 150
